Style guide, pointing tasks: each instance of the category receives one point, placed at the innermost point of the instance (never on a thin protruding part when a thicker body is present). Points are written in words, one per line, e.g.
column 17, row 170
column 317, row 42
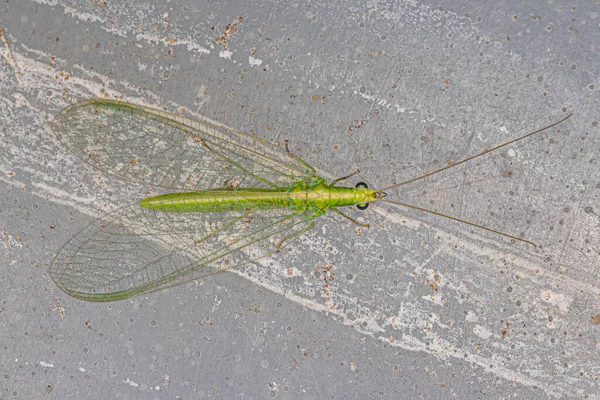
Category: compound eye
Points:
column 362, row 206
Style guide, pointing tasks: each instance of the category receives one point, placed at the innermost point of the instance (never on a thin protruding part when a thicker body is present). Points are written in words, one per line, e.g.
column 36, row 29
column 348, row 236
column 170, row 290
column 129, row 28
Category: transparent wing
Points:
column 153, row 147
column 133, row 251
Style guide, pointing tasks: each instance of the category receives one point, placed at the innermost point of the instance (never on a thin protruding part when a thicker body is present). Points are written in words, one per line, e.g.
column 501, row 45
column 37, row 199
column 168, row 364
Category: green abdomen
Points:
column 216, row 200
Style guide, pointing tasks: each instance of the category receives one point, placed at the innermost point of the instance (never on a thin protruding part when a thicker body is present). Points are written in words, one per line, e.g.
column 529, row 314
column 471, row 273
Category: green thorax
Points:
column 314, row 195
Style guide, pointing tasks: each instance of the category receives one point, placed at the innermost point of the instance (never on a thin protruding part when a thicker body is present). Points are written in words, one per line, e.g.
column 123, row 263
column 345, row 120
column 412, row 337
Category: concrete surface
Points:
column 417, row 306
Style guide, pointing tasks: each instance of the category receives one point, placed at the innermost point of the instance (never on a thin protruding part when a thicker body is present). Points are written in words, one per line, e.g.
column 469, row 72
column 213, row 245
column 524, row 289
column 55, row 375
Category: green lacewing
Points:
column 237, row 198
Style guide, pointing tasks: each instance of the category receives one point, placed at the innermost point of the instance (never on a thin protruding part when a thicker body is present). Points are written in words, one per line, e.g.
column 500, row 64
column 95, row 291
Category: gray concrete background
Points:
column 419, row 306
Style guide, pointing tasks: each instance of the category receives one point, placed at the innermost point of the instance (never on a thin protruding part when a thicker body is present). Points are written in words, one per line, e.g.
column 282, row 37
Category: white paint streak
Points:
column 254, row 62
column 471, row 317
column 226, row 54
column 482, row 332
column 130, row 382
column 561, row 301
column 46, row 365
column 364, row 324
column 168, row 41
column 83, row 16
column 6, row 53
column 472, row 243
column 436, row 299
column 442, row 349
column 190, row 45
column 13, row 182
column 381, row 102
column 59, row 193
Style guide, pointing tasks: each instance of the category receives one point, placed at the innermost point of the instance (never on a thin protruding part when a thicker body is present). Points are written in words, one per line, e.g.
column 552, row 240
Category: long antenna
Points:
column 454, row 165
column 458, row 220
column 475, row 156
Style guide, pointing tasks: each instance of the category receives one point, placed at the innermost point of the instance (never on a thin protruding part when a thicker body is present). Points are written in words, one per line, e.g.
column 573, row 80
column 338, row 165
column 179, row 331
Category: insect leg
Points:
column 293, row 235
column 343, row 178
column 301, row 161
column 300, row 232
column 348, row 217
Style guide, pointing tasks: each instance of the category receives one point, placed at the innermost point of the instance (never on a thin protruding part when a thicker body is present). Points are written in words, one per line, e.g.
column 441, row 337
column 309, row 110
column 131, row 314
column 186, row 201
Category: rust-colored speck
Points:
column 228, row 32
column 56, row 306
column 359, row 124
column 505, row 331
column 327, row 276
column 232, row 183
column 596, row 319
column 378, row 53
column 248, row 218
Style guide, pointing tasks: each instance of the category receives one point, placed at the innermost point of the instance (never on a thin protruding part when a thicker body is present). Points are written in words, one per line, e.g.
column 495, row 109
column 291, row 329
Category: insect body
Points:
column 237, row 199
column 316, row 196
